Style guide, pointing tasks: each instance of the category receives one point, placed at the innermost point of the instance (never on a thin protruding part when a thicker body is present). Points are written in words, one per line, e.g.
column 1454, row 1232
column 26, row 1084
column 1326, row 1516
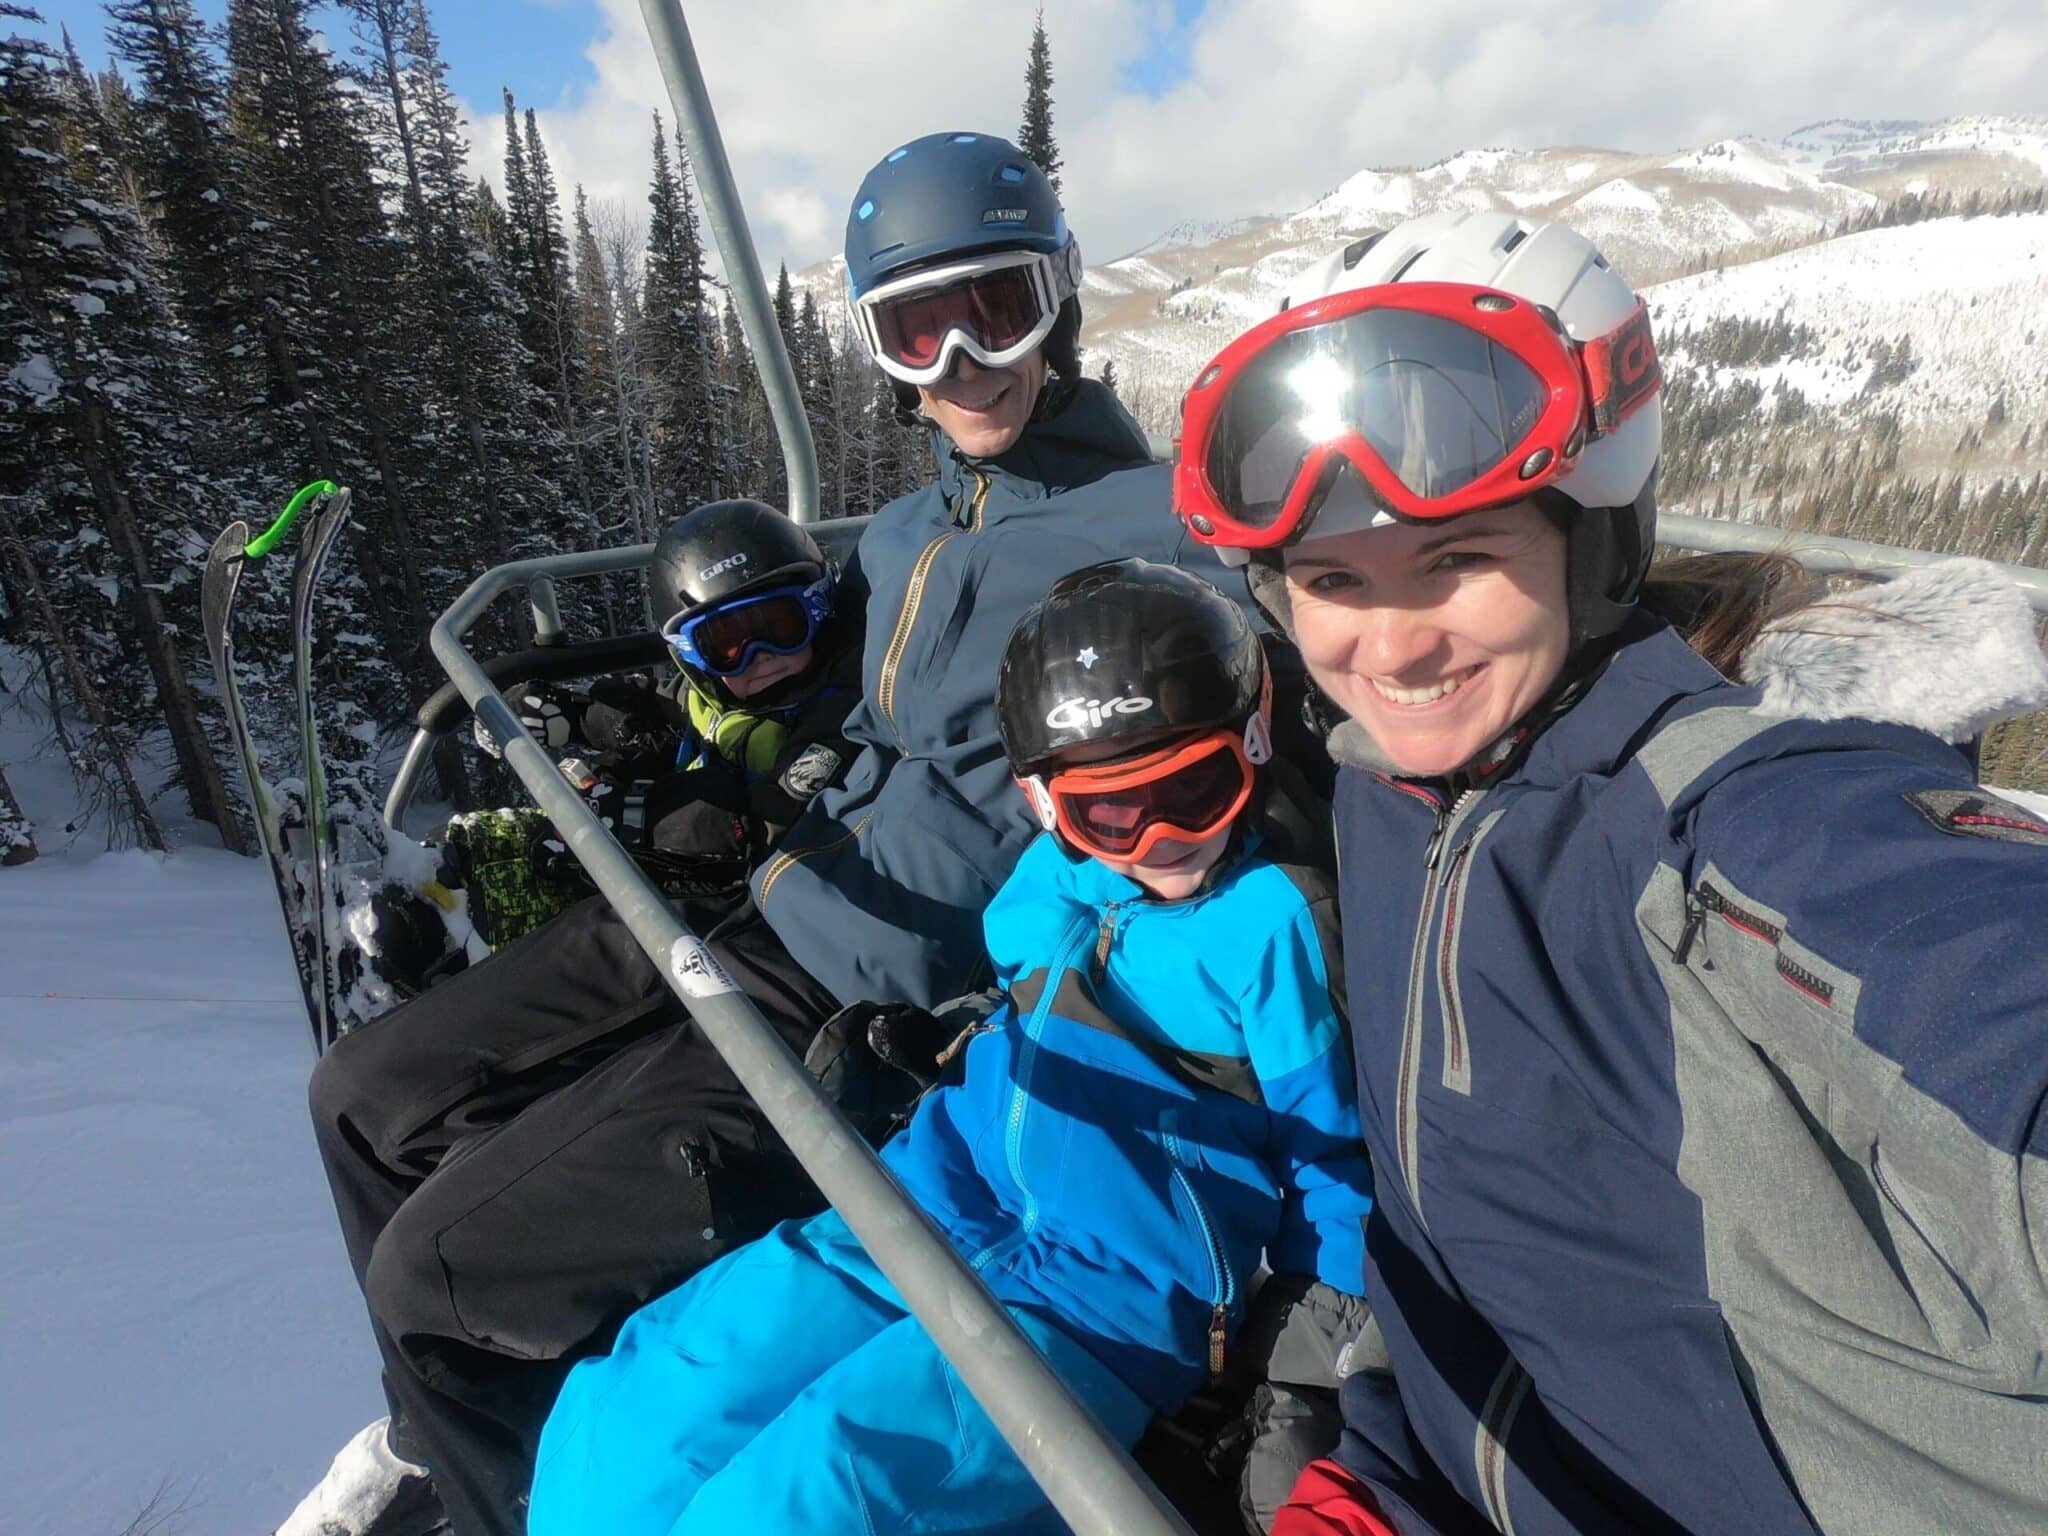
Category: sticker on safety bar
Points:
column 696, row 969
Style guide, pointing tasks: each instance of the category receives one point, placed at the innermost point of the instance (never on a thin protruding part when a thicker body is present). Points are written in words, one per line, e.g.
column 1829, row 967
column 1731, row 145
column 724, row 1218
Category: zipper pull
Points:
column 1105, row 933
column 1219, row 1334
column 1695, row 914
column 1436, row 838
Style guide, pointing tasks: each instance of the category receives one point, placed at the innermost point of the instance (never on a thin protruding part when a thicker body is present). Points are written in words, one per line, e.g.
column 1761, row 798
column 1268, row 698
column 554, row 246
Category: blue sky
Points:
column 534, row 46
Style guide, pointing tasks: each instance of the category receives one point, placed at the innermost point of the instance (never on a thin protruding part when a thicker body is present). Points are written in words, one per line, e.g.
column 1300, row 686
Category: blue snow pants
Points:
column 787, row 1388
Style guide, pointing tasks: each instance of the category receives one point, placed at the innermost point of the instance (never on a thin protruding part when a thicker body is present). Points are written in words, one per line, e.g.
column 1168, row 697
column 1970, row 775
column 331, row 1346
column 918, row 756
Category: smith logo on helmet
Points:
column 730, row 562
column 1072, row 714
column 1006, row 216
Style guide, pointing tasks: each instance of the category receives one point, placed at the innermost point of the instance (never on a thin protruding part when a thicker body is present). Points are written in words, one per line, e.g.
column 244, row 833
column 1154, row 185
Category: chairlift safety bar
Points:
column 1089, row 1478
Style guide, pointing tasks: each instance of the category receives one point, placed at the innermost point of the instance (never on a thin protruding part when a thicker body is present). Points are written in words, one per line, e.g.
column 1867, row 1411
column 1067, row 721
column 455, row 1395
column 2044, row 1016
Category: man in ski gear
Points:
column 1172, row 1068
column 488, row 1272
column 1698, row 1025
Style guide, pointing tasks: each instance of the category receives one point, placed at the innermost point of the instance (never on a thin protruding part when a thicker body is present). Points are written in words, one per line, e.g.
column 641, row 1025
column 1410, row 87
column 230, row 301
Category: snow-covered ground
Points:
column 179, row 1322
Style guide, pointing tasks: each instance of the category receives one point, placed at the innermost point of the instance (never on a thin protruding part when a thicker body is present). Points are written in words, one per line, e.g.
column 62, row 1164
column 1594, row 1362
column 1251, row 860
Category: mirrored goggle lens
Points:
column 1195, row 799
column 1439, row 403
column 998, row 309
column 722, row 636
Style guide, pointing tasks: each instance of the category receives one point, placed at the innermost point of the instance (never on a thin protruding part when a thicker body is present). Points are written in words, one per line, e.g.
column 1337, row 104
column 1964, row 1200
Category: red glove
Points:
column 1328, row 1501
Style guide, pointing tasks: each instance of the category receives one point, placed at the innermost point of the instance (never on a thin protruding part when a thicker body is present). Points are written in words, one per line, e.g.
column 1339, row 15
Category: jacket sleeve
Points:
column 1300, row 1051
column 1875, row 936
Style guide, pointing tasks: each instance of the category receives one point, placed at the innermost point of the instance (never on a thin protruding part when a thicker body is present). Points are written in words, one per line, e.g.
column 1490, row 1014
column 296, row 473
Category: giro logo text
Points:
column 730, row 562
column 1073, row 714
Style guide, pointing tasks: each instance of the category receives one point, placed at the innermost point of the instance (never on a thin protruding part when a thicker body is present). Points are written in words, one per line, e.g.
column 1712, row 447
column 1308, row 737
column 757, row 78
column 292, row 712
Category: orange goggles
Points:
column 1121, row 811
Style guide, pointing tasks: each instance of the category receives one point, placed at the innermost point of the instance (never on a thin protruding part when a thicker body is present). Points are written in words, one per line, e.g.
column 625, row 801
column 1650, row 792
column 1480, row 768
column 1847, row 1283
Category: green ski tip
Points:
column 266, row 541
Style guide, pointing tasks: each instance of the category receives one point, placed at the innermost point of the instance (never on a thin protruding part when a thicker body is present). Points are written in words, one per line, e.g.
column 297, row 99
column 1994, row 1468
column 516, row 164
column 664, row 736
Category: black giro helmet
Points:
column 723, row 549
column 1120, row 656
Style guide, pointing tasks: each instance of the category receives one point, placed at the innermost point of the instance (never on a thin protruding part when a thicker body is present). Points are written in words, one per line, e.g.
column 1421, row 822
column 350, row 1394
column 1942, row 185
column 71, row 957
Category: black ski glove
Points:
column 547, row 712
column 876, row 1060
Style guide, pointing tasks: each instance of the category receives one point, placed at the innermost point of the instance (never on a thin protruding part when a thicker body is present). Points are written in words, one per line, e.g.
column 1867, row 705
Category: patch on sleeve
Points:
column 1976, row 813
column 812, row 771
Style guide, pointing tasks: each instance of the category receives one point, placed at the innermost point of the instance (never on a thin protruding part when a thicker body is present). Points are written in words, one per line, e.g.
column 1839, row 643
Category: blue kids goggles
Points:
column 724, row 641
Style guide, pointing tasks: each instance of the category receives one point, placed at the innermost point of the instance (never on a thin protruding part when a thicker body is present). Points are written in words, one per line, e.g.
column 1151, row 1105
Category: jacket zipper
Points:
column 1105, row 935
column 1705, row 898
column 1020, row 1094
column 1406, row 1130
column 1447, row 962
column 780, row 864
column 913, row 599
column 1222, row 1282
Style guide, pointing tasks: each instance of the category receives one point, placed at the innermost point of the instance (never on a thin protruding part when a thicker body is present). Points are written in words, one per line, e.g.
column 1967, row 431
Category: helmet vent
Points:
column 1354, row 253
column 1492, row 303
column 1514, row 240
column 964, row 138
column 1402, row 271
column 896, row 155
column 866, row 210
column 1011, row 174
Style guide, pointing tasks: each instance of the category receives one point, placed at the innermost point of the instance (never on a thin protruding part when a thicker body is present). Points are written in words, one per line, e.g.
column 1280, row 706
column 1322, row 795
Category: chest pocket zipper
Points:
column 1222, row 1282
column 913, row 600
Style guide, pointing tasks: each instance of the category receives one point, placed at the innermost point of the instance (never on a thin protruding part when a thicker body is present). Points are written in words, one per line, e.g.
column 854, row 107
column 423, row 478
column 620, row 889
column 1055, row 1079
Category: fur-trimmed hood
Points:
column 1950, row 649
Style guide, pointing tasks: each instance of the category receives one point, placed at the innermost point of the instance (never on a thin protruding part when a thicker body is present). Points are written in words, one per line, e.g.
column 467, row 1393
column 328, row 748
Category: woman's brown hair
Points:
column 1721, row 603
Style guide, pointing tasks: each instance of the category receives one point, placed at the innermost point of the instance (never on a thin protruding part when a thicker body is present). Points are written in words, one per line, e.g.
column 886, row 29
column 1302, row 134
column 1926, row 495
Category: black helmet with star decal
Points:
column 1121, row 657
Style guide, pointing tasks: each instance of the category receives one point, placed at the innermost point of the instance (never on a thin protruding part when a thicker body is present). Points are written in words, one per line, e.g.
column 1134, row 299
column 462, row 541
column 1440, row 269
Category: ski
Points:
column 316, row 542
column 231, row 551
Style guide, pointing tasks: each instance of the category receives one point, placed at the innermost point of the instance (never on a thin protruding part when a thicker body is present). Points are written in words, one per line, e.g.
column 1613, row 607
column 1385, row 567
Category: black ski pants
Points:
column 525, row 1154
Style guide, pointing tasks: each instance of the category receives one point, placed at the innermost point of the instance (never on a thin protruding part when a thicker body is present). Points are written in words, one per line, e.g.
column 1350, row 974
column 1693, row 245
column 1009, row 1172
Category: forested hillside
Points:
column 238, row 261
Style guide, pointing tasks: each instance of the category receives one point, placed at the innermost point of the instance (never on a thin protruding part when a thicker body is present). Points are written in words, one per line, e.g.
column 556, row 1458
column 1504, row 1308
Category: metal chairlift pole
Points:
column 1088, row 1477
column 698, row 130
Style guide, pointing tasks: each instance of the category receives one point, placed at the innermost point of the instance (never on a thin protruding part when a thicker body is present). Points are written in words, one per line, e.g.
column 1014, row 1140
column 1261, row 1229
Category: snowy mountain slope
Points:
column 179, row 1314
column 1957, row 154
column 1160, row 312
column 1970, row 295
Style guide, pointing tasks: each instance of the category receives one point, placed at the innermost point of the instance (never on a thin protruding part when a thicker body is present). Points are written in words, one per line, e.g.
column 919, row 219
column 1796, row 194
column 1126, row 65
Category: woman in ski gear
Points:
column 1171, row 1067
column 578, row 1092
column 1698, row 1024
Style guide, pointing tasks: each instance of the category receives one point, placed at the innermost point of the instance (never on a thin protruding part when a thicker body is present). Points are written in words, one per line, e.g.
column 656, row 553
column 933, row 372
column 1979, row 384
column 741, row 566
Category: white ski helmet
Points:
column 1607, row 503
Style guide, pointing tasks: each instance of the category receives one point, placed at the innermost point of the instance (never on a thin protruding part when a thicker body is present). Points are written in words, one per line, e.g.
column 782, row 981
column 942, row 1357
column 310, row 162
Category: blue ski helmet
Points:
column 948, row 195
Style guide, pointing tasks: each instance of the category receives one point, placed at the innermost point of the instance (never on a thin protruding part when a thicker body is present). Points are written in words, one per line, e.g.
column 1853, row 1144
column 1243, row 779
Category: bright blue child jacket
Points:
column 1167, row 1097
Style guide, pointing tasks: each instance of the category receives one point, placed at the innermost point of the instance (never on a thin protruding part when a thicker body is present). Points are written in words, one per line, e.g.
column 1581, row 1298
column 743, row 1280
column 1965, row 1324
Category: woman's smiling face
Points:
column 1436, row 638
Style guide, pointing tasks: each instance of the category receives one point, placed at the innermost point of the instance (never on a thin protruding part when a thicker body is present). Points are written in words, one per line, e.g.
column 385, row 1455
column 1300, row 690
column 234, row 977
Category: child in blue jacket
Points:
column 1166, row 1097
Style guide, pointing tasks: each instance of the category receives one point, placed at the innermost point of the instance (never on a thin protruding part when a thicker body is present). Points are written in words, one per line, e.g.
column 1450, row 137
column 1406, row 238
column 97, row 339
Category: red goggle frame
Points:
column 1444, row 397
column 1121, row 811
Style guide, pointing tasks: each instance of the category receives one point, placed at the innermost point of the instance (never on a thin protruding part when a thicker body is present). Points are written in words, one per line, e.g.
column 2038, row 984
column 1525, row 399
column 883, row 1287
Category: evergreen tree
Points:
column 96, row 478
column 301, row 143
column 678, row 346
column 1035, row 136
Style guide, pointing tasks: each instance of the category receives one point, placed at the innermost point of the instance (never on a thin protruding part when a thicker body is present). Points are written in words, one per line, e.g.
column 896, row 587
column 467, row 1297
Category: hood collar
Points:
column 1079, row 432
column 1949, row 649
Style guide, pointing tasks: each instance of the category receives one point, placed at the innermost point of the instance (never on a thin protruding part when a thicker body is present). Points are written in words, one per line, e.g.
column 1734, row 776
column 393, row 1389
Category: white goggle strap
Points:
column 1041, row 801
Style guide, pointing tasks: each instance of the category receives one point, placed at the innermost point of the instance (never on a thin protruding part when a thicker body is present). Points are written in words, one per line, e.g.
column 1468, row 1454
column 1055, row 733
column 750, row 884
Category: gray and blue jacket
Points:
column 879, row 887
column 1703, row 1060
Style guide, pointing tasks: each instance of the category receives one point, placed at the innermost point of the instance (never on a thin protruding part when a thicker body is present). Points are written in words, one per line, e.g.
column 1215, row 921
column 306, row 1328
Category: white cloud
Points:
column 1283, row 99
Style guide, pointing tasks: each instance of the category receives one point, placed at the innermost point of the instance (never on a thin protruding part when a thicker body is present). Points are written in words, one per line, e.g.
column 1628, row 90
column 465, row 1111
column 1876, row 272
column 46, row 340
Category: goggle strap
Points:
column 1622, row 371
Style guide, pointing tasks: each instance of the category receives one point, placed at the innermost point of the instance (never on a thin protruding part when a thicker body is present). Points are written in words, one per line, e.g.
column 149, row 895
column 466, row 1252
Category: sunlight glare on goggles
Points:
column 1320, row 382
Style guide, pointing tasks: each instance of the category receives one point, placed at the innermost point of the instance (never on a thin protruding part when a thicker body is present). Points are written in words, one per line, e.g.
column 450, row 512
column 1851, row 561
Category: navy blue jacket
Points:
column 879, row 887
column 1702, row 1060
